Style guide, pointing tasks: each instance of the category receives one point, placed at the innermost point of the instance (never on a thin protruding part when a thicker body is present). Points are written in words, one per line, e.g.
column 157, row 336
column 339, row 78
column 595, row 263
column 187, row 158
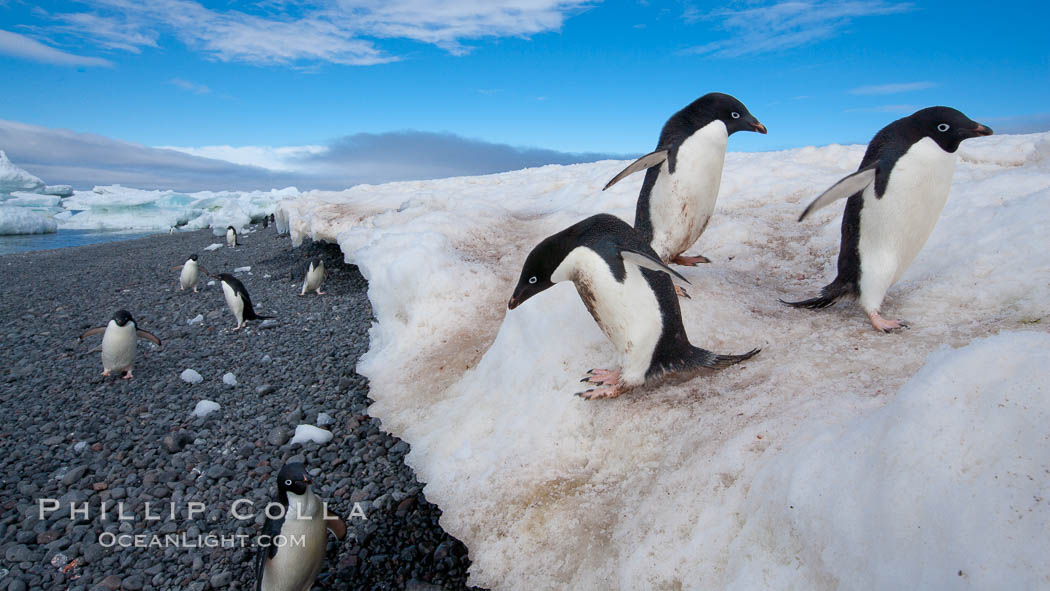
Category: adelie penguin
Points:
column 683, row 174
column 231, row 236
column 294, row 566
column 118, row 343
column 893, row 202
column 630, row 294
column 315, row 276
column 190, row 272
column 238, row 301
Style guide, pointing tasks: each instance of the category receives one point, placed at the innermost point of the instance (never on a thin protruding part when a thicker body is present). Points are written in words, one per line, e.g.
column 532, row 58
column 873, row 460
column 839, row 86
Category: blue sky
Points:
column 329, row 93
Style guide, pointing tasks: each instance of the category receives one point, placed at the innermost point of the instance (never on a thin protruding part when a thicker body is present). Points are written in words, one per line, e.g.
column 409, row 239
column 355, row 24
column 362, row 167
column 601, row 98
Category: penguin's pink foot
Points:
column 194, row 289
column 105, row 373
column 319, row 292
column 883, row 325
column 602, row 377
column 690, row 261
column 127, row 375
column 604, row 392
column 681, row 292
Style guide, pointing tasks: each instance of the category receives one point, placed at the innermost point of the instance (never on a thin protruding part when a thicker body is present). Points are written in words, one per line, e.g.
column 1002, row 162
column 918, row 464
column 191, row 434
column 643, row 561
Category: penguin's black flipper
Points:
column 646, row 261
column 648, row 161
column 271, row 529
column 148, row 336
column 845, row 187
column 92, row 332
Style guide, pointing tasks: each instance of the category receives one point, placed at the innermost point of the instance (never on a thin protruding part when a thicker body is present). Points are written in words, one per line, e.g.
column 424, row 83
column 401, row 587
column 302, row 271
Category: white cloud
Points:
column 284, row 158
column 784, row 25
column 334, row 31
column 190, row 86
column 23, row 47
column 893, row 88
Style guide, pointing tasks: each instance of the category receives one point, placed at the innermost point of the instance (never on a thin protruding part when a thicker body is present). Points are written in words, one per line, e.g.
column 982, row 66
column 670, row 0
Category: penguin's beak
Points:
column 982, row 130
column 513, row 303
column 756, row 126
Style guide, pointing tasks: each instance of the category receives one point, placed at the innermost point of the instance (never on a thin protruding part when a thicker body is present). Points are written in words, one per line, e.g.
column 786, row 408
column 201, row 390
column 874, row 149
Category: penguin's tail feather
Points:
column 261, row 317
column 705, row 358
column 830, row 294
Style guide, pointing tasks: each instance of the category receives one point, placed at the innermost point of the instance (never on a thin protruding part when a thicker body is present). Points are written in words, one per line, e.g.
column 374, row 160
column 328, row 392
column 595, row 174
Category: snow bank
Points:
column 655, row 489
column 13, row 178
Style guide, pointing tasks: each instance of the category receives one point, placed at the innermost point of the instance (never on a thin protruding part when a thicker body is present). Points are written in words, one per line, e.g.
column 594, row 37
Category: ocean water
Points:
column 66, row 239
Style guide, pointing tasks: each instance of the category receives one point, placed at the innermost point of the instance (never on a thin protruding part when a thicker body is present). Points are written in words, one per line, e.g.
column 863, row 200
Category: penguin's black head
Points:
column 231, row 228
column 538, row 268
column 946, row 126
column 122, row 317
column 292, row 479
column 193, row 257
column 726, row 108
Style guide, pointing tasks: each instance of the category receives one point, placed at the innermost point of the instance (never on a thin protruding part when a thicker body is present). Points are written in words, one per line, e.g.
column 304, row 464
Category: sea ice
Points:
column 205, row 408
column 191, row 376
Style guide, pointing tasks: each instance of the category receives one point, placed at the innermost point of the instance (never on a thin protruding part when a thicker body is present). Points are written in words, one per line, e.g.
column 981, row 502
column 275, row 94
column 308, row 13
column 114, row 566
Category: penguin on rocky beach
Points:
column 629, row 292
column 315, row 276
column 231, row 236
column 190, row 272
column 684, row 173
column 238, row 301
column 291, row 566
column 118, row 343
column 893, row 202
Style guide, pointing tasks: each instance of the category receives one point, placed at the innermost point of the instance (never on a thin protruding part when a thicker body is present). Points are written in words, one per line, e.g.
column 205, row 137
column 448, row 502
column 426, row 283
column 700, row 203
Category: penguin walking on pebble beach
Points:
column 231, row 236
column 630, row 294
column 293, row 566
column 190, row 272
column 893, row 202
column 238, row 301
column 315, row 276
column 118, row 343
column 684, row 173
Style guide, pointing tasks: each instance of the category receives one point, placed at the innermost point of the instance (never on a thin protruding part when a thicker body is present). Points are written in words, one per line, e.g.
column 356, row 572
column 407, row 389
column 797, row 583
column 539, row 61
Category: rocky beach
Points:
column 76, row 440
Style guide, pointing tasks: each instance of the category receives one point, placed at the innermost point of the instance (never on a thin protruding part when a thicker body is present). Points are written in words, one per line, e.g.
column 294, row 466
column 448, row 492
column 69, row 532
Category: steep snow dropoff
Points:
column 653, row 489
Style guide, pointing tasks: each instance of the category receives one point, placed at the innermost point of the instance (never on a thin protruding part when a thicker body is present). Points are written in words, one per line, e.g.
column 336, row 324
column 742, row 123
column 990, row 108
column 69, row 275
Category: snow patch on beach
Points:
column 666, row 487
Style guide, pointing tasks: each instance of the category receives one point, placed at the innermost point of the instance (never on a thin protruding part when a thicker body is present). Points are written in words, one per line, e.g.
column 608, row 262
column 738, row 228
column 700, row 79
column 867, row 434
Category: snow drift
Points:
column 685, row 485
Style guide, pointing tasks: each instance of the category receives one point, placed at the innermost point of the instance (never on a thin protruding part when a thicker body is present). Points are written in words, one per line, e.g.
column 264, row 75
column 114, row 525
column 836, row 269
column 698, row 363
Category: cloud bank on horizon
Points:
column 84, row 160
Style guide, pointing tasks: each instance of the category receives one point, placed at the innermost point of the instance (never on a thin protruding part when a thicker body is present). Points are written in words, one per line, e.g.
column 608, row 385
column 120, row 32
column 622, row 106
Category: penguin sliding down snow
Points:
column 231, row 236
column 118, row 343
column 315, row 276
column 237, row 299
column 190, row 273
column 294, row 566
column 630, row 294
column 684, row 172
column 894, row 200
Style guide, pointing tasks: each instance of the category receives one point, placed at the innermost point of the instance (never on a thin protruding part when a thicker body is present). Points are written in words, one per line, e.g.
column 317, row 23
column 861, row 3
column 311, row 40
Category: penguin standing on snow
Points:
column 683, row 174
column 231, row 236
column 894, row 200
column 315, row 276
column 118, row 343
column 190, row 273
column 238, row 301
column 294, row 566
column 630, row 294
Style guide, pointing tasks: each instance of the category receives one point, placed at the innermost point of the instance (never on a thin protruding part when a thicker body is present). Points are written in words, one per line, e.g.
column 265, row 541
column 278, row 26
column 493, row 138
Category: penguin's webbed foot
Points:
column 690, row 261
column 319, row 292
column 681, row 292
column 604, row 392
column 105, row 373
column 602, row 377
column 127, row 375
column 883, row 325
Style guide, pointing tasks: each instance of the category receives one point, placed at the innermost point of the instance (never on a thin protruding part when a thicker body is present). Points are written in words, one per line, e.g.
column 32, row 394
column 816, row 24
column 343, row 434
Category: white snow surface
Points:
column 13, row 178
column 229, row 379
column 205, row 408
column 691, row 484
column 306, row 433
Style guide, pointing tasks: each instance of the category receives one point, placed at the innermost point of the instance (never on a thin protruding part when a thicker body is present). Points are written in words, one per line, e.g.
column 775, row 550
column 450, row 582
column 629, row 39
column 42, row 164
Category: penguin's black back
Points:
column 238, row 288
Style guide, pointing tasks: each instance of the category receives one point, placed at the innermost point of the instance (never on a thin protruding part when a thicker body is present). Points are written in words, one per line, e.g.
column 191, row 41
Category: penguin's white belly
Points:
column 188, row 277
column 681, row 204
column 627, row 312
column 295, row 567
column 231, row 238
column 235, row 303
column 894, row 229
column 314, row 277
column 118, row 346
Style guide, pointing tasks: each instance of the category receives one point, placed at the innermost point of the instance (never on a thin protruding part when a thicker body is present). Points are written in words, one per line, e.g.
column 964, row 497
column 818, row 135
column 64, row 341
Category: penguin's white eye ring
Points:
column 735, row 115
column 943, row 127
column 287, row 482
column 532, row 279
